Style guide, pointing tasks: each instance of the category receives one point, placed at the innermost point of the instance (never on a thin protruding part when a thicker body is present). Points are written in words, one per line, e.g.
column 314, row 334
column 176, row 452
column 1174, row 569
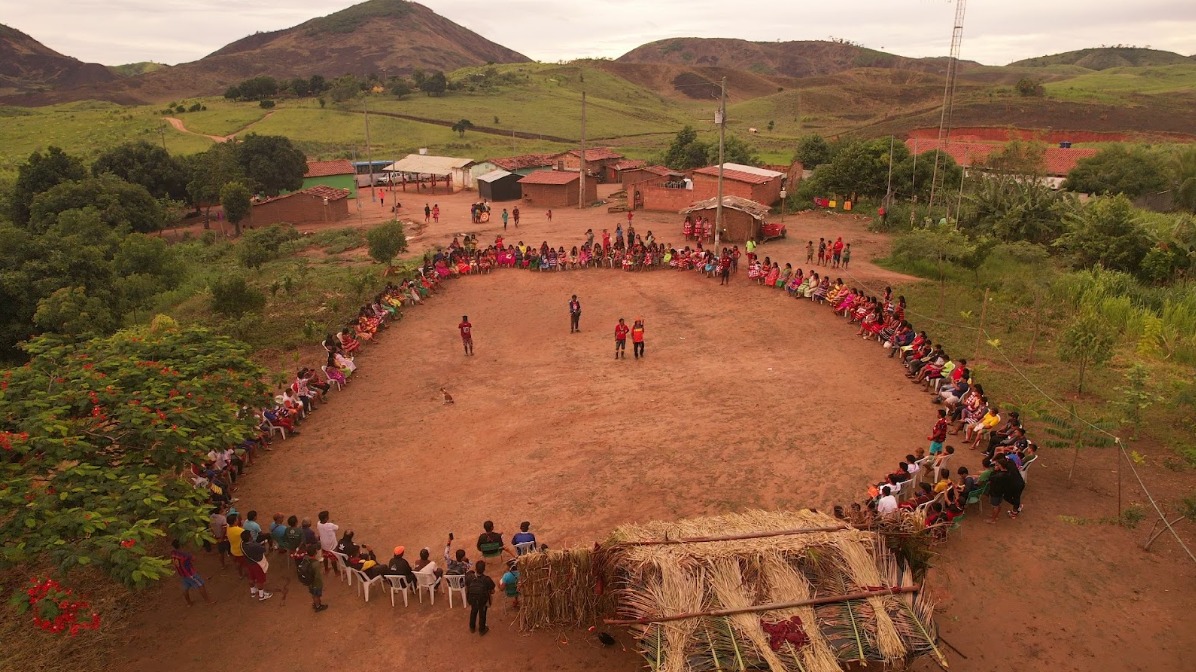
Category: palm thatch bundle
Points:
column 793, row 591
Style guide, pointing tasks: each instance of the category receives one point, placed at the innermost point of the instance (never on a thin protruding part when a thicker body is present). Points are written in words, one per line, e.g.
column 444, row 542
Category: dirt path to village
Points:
column 178, row 125
column 747, row 399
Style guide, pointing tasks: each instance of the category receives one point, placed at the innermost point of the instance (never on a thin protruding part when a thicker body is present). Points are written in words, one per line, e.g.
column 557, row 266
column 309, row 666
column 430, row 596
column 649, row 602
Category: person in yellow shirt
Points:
column 991, row 419
column 234, row 542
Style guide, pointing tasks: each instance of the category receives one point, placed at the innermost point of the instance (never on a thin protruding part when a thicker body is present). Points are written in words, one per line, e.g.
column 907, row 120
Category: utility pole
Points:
column 889, row 182
column 162, row 134
column 581, row 197
column 368, row 154
column 721, row 119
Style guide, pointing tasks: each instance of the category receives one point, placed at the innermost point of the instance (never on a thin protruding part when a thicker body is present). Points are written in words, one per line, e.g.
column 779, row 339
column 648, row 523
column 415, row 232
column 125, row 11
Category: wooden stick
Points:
column 734, row 537
column 763, row 607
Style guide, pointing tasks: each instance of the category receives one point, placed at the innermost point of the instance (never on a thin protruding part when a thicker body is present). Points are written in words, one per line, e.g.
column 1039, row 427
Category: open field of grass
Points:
column 222, row 117
column 1119, row 85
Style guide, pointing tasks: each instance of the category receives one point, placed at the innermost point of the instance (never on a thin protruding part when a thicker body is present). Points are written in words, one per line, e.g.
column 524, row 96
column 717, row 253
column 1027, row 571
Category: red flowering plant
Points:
column 97, row 440
column 56, row 609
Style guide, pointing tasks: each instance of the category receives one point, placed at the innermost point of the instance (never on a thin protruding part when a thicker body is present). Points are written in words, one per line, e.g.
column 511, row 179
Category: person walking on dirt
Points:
column 427, row 213
column 637, row 337
column 515, row 215
column 504, row 219
column 574, row 315
column 846, row 256
column 478, row 590
column 621, row 339
column 185, row 568
column 549, row 213
column 466, row 329
column 436, row 213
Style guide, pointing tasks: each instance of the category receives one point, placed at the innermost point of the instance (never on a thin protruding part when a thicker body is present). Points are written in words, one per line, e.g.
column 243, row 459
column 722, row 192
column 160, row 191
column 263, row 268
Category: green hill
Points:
column 1104, row 58
column 134, row 69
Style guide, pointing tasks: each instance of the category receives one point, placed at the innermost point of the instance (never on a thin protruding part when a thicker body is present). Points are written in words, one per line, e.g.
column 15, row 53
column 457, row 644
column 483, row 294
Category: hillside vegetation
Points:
column 1103, row 58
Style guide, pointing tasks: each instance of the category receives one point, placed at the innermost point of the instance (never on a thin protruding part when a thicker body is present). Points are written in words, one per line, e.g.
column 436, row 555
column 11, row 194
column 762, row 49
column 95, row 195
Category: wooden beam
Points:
column 763, row 607
column 735, row 537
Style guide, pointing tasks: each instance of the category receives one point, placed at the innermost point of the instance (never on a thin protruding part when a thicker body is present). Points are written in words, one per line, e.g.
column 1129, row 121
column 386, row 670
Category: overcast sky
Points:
column 173, row 31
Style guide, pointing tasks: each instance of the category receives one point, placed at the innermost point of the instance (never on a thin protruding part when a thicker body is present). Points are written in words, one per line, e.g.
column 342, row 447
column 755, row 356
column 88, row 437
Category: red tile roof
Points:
column 662, row 170
column 597, row 154
column 523, row 161
column 1058, row 162
column 327, row 168
column 737, row 175
column 550, row 177
column 318, row 191
column 628, row 164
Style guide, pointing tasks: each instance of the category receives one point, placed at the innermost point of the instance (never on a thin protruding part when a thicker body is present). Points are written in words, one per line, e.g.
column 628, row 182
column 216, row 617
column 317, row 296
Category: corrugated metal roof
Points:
column 428, row 165
column 737, row 172
column 493, row 175
column 751, row 207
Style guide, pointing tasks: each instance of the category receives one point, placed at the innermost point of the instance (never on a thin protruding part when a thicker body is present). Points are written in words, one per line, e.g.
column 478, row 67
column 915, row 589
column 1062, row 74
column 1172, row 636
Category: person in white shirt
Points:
column 887, row 504
column 327, row 532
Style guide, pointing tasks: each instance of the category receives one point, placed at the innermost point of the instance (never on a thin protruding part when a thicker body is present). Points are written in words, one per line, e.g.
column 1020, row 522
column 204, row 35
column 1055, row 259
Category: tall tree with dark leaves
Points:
column 271, row 164
column 146, row 164
column 39, row 174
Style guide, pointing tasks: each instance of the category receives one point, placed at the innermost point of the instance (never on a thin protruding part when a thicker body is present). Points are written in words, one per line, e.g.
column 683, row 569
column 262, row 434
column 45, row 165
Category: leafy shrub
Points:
column 233, row 296
column 261, row 245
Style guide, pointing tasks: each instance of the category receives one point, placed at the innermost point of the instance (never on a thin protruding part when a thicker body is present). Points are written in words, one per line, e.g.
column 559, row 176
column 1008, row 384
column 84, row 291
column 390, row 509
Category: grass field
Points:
column 222, row 117
column 1119, row 85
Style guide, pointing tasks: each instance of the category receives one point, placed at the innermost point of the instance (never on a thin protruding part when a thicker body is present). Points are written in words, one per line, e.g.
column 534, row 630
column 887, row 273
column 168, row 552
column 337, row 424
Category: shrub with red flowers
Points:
column 97, row 439
column 56, row 609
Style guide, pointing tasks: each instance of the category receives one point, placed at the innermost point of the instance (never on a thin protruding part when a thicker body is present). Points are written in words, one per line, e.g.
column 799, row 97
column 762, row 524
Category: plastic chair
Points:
column 398, row 584
column 330, row 379
column 425, row 581
column 454, row 583
column 275, row 428
column 1026, row 466
column 364, row 582
column 525, row 547
column 976, row 496
column 342, row 567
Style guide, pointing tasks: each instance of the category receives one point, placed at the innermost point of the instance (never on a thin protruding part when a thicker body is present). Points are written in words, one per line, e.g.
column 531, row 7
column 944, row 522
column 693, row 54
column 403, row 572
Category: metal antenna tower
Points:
column 948, row 97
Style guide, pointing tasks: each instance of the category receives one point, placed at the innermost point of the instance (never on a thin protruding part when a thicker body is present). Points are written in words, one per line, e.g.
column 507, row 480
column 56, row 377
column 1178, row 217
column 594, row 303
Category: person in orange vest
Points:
column 637, row 338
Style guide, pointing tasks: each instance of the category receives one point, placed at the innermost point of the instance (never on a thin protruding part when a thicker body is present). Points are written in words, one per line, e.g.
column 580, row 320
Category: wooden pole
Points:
column 722, row 138
column 735, row 537
column 581, row 196
column 831, row 599
column 980, row 329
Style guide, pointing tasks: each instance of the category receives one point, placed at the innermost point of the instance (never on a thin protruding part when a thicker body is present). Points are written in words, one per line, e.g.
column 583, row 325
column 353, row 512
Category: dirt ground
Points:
column 746, row 399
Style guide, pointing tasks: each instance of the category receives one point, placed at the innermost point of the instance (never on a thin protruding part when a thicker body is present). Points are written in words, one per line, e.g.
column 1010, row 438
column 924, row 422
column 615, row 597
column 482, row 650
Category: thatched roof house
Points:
column 781, row 591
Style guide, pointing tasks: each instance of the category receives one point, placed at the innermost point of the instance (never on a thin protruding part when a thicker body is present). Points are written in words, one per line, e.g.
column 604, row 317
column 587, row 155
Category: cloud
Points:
column 171, row 31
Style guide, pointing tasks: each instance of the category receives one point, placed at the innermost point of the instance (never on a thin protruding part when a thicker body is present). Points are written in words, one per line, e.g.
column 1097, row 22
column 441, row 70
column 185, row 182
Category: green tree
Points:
column 1183, row 179
column 1106, row 231
column 271, row 163
column 146, row 164
column 1070, row 432
column 387, row 242
column 461, row 126
column 1119, row 170
column 812, row 151
column 1087, row 342
column 123, row 206
column 1029, row 88
column 233, row 296
column 400, row 88
column 1136, row 396
column 207, row 173
column 435, row 84
column 236, row 201
column 299, row 86
column 39, row 174
column 317, row 84
column 71, row 312
column 939, row 244
column 734, row 151
column 1018, row 158
column 1011, row 208
column 261, row 245
column 686, row 151
column 98, row 437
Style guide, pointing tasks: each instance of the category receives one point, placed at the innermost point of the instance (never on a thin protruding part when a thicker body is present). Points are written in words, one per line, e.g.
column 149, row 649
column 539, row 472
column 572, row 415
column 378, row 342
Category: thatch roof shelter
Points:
column 796, row 591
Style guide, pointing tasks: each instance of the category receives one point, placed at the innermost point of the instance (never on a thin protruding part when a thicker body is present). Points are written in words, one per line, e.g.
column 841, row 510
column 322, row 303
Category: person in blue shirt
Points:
column 523, row 537
column 251, row 525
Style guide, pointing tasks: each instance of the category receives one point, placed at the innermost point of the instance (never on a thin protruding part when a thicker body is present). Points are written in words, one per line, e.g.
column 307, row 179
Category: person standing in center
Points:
column 621, row 339
column 436, row 213
column 515, row 215
column 478, row 590
column 427, row 213
column 637, row 337
column 574, row 315
column 466, row 334
column 505, row 215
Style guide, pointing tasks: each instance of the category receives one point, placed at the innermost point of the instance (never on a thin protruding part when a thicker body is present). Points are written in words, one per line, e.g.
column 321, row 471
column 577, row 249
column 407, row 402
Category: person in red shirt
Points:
column 466, row 334
column 621, row 339
column 637, row 337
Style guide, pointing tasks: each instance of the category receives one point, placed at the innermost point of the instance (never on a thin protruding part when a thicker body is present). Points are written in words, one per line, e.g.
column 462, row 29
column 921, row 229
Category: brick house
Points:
column 755, row 184
column 555, row 189
column 600, row 162
column 314, row 205
column 742, row 218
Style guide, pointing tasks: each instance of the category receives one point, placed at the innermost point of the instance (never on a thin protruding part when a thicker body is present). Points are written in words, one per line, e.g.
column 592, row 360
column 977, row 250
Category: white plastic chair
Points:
column 1026, row 467
column 330, row 379
column 525, row 547
column 364, row 582
column 425, row 581
column 275, row 428
column 454, row 583
column 397, row 584
column 342, row 567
